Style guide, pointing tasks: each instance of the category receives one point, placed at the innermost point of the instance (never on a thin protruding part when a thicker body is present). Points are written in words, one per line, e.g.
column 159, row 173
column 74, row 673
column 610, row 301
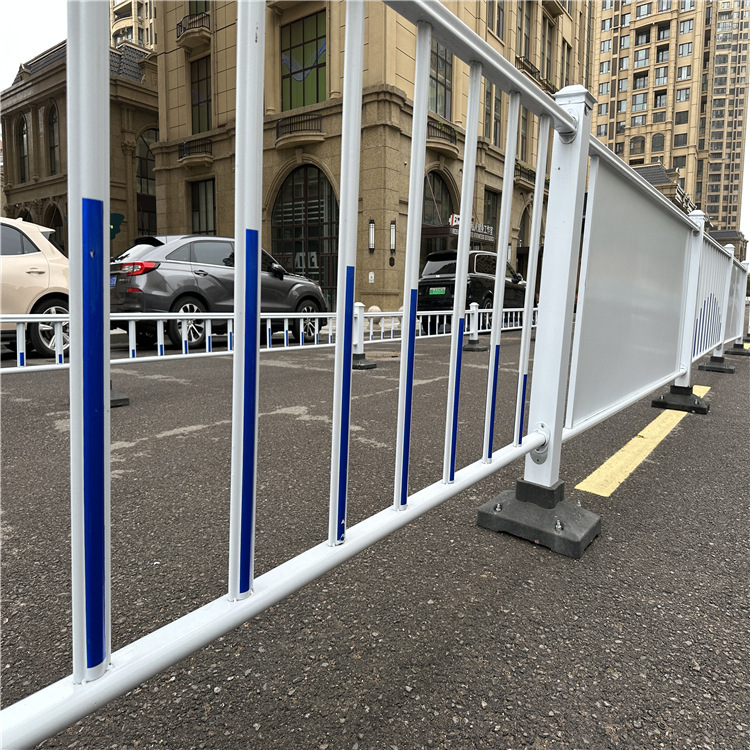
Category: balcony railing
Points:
column 524, row 64
column 440, row 131
column 193, row 148
column 307, row 123
column 197, row 21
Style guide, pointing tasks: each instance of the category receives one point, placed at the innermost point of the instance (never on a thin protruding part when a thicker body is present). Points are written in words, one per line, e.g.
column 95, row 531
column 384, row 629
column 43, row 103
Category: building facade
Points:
column 671, row 83
column 133, row 21
column 549, row 40
column 34, row 127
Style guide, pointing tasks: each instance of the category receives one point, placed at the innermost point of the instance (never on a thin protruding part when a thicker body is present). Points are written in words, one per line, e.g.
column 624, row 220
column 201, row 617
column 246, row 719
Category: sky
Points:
column 29, row 27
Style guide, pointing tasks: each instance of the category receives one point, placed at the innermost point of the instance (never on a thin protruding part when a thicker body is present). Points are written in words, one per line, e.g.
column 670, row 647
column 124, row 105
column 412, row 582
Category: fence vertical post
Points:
column 717, row 363
column 251, row 37
column 88, row 211
column 359, row 361
column 536, row 509
column 473, row 344
column 351, row 137
column 681, row 396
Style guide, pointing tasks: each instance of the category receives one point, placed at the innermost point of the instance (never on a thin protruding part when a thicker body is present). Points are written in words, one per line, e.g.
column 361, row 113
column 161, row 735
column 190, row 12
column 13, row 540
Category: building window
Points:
column 639, row 102
column 660, row 99
column 687, row 4
column 638, row 120
column 625, row 19
column 602, row 110
column 606, row 46
column 203, row 207
column 547, row 35
column 601, row 131
column 23, row 151
column 642, row 37
column 641, row 11
column 500, row 26
column 683, row 95
column 620, row 127
column 622, row 84
column 640, row 81
column 565, row 67
column 640, row 58
column 624, row 63
column 686, row 26
column 680, row 139
column 497, row 121
column 523, row 29
column 625, row 41
column 606, row 4
column 660, row 76
column 200, row 91
column 664, row 5
column 441, row 78
column 304, row 228
column 53, row 134
column 524, row 135
column 145, row 181
column 685, row 49
column 637, row 145
column 679, row 162
column 492, row 208
column 660, row 117
column 604, row 67
column 662, row 54
column 607, row 24
column 662, row 32
column 622, row 106
column 681, row 118
column 683, row 73
column 303, row 62
column 619, row 148
column 604, row 89
column 657, row 143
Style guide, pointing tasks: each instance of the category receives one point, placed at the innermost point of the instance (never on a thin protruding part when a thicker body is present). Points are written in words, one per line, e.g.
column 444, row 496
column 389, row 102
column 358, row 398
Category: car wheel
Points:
column 306, row 325
column 42, row 335
column 196, row 329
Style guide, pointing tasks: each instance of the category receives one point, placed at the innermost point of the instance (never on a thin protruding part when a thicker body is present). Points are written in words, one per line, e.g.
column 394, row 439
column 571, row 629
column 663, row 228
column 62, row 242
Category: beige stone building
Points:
column 671, row 83
column 548, row 40
column 133, row 21
column 34, row 126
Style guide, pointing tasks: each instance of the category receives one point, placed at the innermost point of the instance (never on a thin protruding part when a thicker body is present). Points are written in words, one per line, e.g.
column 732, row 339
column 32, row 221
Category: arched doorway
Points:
column 304, row 228
column 437, row 209
column 145, row 181
column 54, row 220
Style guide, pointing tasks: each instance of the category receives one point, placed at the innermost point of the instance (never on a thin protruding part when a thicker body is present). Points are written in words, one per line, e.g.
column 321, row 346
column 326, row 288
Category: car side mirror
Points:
column 277, row 270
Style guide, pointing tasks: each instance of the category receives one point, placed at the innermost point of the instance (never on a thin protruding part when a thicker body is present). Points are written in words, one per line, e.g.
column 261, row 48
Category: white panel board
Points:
column 631, row 297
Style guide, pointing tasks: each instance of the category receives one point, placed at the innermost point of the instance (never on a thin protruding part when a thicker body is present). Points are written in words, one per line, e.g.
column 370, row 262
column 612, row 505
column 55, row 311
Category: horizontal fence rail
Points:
column 666, row 288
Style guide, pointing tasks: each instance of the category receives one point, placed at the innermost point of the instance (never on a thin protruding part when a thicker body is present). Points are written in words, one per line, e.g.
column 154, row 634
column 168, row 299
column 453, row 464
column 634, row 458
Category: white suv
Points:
column 33, row 279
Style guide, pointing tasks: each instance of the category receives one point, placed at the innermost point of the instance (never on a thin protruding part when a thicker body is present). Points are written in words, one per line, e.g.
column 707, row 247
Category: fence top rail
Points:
column 470, row 47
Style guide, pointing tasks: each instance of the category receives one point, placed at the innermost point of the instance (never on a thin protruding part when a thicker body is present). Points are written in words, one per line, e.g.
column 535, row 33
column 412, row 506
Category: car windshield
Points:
column 134, row 253
column 440, row 265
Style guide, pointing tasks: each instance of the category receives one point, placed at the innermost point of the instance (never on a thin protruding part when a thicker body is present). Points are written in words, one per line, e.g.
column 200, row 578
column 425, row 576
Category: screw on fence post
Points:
column 359, row 361
column 473, row 344
column 536, row 510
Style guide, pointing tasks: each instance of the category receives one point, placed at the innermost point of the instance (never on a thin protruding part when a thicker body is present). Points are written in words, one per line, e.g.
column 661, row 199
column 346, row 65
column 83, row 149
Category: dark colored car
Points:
column 438, row 280
column 195, row 274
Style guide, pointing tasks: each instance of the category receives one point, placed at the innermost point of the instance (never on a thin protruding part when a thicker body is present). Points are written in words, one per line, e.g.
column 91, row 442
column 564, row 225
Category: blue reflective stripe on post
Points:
column 346, row 389
column 523, row 408
column 457, row 387
column 494, row 398
column 408, row 397
column 249, row 411
column 93, row 429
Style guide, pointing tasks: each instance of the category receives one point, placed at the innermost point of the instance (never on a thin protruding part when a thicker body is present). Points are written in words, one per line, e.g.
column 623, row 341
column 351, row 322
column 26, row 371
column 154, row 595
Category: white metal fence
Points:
column 635, row 328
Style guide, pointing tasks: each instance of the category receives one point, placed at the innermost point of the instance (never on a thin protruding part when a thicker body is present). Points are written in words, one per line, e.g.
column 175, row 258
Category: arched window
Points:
column 638, row 145
column 53, row 219
column 23, row 151
column 145, row 181
column 53, row 136
column 304, row 228
column 657, row 143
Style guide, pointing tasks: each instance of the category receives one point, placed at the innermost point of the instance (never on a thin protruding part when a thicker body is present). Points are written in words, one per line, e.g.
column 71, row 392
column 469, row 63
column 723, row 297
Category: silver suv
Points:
column 194, row 274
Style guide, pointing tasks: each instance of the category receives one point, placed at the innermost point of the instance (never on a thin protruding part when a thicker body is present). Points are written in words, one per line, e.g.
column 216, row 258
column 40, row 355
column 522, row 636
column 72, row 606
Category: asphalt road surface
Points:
column 444, row 635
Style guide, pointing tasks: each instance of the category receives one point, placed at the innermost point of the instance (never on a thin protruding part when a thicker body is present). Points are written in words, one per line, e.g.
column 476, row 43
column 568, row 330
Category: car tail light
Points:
column 138, row 267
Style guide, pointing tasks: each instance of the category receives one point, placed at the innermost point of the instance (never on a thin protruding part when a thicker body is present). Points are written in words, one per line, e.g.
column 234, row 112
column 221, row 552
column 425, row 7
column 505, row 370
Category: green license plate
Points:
column 437, row 290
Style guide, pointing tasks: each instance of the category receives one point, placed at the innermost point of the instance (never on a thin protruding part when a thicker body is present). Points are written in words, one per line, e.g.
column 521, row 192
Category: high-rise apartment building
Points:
column 549, row 40
column 671, row 84
column 133, row 21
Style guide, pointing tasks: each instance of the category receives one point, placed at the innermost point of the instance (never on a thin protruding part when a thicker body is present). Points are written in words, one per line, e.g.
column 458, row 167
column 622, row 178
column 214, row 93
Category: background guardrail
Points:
column 654, row 312
column 278, row 333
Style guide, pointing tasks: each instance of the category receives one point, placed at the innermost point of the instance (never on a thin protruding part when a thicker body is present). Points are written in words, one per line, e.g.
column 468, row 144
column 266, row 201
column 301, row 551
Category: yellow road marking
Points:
column 613, row 472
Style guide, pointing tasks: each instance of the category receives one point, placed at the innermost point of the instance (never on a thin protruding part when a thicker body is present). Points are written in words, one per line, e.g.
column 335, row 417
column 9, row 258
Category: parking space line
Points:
column 615, row 470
